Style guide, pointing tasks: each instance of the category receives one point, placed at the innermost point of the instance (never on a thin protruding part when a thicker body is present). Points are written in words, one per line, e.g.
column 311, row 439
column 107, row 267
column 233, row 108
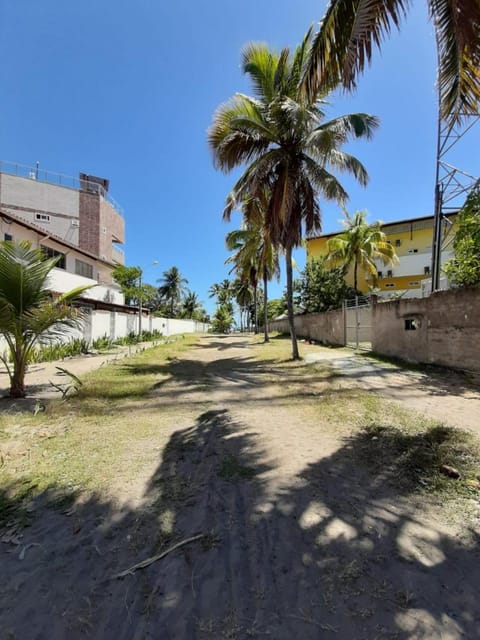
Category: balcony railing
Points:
column 58, row 179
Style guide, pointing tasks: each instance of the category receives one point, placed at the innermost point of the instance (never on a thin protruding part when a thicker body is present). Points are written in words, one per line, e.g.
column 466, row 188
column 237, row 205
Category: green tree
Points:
column 359, row 246
column 191, row 306
column 255, row 253
column 222, row 320
column 224, row 294
column 350, row 29
column 172, row 288
column 464, row 269
column 129, row 280
column 281, row 135
column 29, row 313
column 321, row 288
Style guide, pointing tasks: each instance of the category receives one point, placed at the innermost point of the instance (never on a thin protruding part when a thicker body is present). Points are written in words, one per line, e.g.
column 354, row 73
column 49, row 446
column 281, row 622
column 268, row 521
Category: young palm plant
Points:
column 350, row 29
column 359, row 246
column 289, row 150
column 29, row 314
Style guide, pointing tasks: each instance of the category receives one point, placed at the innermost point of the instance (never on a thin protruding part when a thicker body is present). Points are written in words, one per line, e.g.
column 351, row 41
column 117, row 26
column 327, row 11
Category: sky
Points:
column 126, row 90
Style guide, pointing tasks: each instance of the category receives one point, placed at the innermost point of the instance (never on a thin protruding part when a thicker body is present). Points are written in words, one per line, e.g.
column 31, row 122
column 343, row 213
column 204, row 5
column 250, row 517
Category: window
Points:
column 413, row 251
column 48, row 252
column 379, row 274
column 426, row 271
column 83, row 269
column 410, row 324
column 398, row 242
column 42, row 217
column 389, row 273
column 389, row 285
column 7, row 237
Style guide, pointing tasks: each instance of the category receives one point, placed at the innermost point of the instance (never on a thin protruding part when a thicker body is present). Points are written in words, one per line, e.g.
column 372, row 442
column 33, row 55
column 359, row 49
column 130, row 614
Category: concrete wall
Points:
column 327, row 328
column 61, row 281
column 447, row 329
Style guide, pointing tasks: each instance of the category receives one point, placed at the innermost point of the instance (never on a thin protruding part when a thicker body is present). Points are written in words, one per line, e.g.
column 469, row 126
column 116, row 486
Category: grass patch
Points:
column 412, row 455
column 232, row 469
column 90, row 441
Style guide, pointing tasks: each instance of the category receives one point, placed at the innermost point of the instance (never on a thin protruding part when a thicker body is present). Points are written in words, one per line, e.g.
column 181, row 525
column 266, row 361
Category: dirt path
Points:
column 442, row 395
column 299, row 539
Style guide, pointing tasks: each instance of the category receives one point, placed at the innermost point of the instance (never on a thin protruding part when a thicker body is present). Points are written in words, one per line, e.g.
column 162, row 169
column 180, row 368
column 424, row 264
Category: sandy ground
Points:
column 444, row 395
column 298, row 540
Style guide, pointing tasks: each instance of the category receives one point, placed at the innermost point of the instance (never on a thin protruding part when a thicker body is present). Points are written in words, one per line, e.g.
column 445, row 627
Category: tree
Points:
column 321, row 288
column 224, row 293
column 464, row 269
column 222, row 320
column 29, row 313
column 129, row 280
column 350, row 29
column 191, row 306
column 255, row 253
column 360, row 245
column 172, row 288
column 280, row 134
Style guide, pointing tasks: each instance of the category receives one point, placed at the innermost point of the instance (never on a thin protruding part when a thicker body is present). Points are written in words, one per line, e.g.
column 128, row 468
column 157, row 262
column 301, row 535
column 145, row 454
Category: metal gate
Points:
column 357, row 316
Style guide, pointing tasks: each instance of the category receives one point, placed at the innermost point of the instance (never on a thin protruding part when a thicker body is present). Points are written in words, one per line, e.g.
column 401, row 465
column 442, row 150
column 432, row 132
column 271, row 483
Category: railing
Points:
column 59, row 179
column 118, row 254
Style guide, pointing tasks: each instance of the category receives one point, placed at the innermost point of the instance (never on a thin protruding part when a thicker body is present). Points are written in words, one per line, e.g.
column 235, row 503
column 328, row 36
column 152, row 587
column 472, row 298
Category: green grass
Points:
column 90, row 441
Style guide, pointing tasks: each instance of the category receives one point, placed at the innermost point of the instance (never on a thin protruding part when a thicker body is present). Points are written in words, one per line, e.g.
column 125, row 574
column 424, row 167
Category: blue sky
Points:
column 126, row 90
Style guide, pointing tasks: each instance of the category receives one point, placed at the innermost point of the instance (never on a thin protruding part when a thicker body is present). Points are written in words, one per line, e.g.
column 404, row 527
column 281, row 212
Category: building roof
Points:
column 52, row 236
column 385, row 225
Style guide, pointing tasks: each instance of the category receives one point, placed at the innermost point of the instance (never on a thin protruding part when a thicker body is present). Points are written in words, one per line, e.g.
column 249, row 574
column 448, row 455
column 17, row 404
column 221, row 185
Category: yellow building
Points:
column 412, row 240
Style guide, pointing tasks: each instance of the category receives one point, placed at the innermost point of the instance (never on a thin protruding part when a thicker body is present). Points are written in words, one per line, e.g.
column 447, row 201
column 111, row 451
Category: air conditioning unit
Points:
column 75, row 223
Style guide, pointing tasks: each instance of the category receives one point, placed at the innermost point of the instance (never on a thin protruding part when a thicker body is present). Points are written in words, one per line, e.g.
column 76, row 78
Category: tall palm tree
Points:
column 223, row 292
column 281, row 135
column 172, row 287
column 255, row 254
column 244, row 299
column 29, row 314
column 360, row 245
column 350, row 29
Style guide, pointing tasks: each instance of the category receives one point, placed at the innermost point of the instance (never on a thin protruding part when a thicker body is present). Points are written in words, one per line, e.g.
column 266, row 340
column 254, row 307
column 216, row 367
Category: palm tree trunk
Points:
column 355, row 271
column 17, row 380
column 255, row 307
column 265, row 310
column 291, row 320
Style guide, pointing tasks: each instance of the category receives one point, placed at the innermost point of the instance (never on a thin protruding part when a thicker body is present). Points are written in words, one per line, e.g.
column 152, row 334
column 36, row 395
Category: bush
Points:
column 464, row 269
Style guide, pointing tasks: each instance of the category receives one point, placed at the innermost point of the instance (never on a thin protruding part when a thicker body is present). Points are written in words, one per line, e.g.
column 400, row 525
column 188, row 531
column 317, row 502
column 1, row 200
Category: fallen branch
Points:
column 146, row 563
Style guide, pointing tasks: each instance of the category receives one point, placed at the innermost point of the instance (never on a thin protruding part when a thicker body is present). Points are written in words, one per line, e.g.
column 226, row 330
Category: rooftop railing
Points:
column 58, row 179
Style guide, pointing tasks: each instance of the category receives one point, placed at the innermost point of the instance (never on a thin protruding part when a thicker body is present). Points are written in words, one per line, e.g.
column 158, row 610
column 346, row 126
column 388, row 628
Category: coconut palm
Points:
column 29, row 314
column 350, row 29
column 281, row 135
column 223, row 292
column 172, row 287
column 255, row 254
column 191, row 305
column 244, row 299
column 360, row 245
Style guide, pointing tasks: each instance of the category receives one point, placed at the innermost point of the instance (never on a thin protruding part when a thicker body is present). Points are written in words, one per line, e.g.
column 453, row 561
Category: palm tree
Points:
column 172, row 287
column 244, row 299
column 255, row 254
column 350, row 29
column 360, row 245
column 289, row 149
column 29, row 314
column 191, row 305
column 224, row 293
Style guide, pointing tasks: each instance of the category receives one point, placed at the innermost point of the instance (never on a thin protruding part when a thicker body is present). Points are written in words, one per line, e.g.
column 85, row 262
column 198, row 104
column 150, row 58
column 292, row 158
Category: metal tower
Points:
column 452, row 184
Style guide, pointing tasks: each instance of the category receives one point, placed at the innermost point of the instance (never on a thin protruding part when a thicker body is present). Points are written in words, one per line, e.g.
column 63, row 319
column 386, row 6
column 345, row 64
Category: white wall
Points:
column 62, row 281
